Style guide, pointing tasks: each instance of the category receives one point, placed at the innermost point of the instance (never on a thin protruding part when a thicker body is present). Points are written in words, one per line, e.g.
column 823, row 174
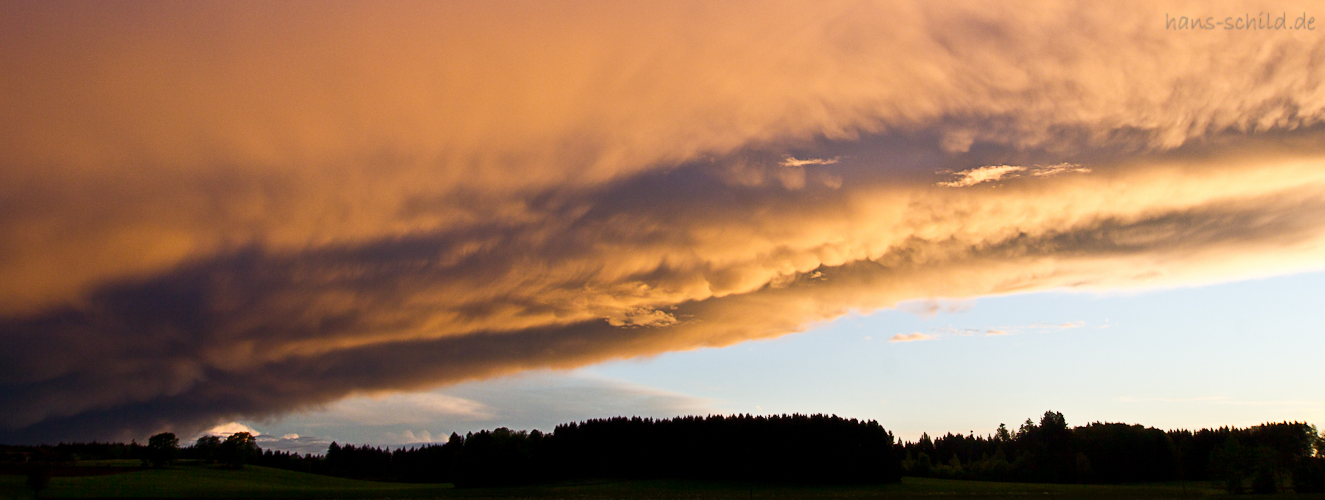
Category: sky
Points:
column 386, row 222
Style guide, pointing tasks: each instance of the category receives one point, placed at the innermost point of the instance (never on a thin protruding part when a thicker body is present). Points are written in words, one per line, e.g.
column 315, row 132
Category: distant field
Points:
column 261, row 482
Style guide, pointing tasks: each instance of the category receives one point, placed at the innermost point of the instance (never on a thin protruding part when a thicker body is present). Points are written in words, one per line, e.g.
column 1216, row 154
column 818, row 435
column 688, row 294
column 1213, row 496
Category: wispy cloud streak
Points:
column 910, row 337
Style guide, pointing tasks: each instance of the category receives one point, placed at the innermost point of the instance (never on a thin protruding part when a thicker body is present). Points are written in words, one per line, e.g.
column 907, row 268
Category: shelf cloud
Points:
column 222, row 210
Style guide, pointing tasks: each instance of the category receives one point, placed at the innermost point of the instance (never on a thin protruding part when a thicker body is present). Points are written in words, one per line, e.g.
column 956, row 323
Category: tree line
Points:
column 779, row 448
column 161, row 450
column 782, row 448
column 1263, row 458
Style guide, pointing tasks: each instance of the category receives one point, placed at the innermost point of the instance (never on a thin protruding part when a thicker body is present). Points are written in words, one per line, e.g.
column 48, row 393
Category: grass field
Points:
column 209, row 482
column 261, row 482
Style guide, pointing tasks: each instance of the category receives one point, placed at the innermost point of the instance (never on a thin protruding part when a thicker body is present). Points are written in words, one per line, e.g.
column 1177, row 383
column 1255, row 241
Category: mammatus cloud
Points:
column 211, row 126
column 222, row 211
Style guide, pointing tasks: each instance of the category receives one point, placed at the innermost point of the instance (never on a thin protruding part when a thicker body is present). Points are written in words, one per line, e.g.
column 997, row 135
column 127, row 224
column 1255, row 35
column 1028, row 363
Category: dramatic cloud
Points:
column 221, row 211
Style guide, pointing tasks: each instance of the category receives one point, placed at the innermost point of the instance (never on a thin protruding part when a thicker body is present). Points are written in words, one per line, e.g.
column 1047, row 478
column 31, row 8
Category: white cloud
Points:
column 928, row 308
column 1051, row 327
column 538, row 400
column 988, row 332
column 993, row 173
column 230, row 428
column 1060, row 168
column 1147, row 399
column 791, row 161
column 975, row 176
column 401, row 408
column 294, row 443
column 408, row 436
column 1223, row 400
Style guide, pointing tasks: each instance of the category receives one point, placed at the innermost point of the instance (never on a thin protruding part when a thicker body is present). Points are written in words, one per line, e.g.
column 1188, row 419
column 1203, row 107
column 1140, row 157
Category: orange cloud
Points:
column 222, row 210
column 910, row 337
column 138, row 139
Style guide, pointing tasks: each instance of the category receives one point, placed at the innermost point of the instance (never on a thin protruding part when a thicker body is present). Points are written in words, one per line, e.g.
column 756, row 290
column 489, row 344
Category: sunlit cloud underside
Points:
column 221, row 211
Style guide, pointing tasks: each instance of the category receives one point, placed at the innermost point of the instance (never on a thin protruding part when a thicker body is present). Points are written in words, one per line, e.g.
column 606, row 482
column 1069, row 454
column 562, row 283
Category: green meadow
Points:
column 191, row 481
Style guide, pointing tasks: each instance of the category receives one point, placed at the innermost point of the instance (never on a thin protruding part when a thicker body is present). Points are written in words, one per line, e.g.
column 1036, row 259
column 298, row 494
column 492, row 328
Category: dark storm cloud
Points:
column 221, row 210
column 255, row 334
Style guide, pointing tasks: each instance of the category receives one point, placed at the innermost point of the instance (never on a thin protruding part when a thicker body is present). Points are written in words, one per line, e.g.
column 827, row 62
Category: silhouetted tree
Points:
column 1085, row 472
column 1046, row 450
column 363, row 462
column 1231, row 463
column 162, row 450
column 1121, row 453
column 793, row 448
column 923, row 465
column 207, row 448
column 238, row 449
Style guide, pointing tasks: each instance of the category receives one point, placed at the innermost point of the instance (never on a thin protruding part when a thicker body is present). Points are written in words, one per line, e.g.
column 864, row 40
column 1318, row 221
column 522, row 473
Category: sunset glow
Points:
column 256, row 212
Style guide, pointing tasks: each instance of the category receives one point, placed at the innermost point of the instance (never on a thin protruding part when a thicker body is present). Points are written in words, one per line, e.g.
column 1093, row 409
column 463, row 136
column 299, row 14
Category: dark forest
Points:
column 806, row 449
